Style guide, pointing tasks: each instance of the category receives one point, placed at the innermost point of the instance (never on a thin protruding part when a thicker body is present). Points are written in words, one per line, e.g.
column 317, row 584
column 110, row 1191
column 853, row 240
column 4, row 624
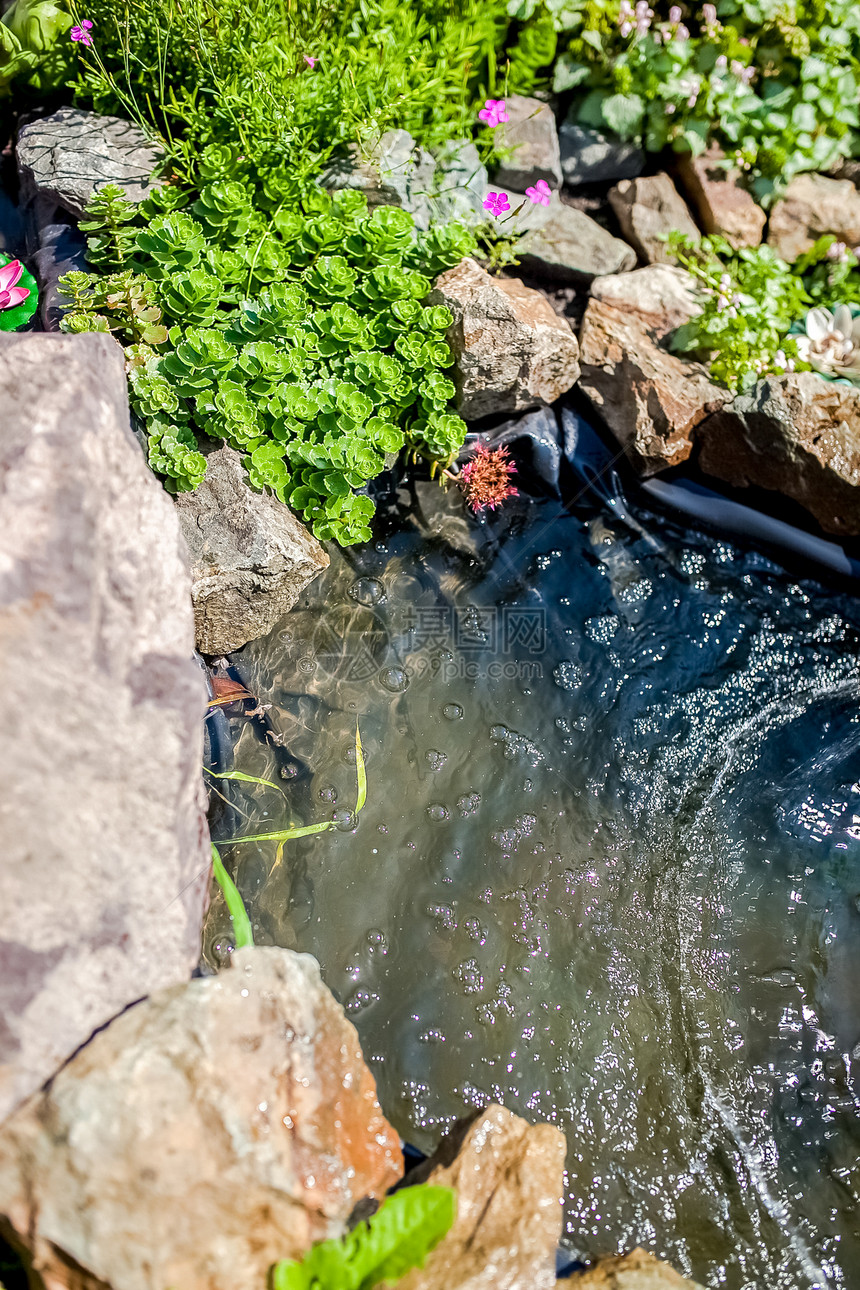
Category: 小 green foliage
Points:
column 34, row 45
column 296, row 335
column 752, row 298
column 397, row 1238
column 235, row 74
column 775, row 82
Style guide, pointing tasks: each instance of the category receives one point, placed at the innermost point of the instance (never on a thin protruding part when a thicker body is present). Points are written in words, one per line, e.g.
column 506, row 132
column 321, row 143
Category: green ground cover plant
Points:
column 34, row 49
column 775, row 82
column 295, row 334
column 756, row 308
column 397, row 1238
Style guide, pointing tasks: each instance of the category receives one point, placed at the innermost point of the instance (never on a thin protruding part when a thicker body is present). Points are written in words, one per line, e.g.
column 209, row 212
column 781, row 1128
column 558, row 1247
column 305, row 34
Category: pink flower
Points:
column 10, row 295
column 493, row 113
column 675, row 14
column 485, row 479
column 496, row 203
column 540, row 194
column 311, row 62
column 82, row 33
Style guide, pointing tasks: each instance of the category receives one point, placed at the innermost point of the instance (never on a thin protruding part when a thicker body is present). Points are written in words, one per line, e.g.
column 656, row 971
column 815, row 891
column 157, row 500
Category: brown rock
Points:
column 663, row 295
column 105, row 851
column 647, row 209
column 637, row 1270
column 509, row 1179
column 511, row 350
column 721, row 202
column 649, row 399
column 207, row 1132
column 531, row 134
column 813, row 205
column 251, row 558
column 798, row 435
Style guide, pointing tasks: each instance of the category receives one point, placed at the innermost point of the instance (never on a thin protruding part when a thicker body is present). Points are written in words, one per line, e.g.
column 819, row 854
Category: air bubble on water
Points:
column 367, row 591
column 525, row 825
column 562, row 724
column 453, row 712
column 505, row 839
column 435, row 759
column 444, row 916
column 328, row 794
column 289, row 771
column 438, row 812
column 528, row 785
column 344, row 820
column 394, row 679
column 307, row 664
column 468, row 804
column 475, row 930
column 433, row 1036
column 568, row 675
column 470, row 977
column 286, row 637
column 499, row 732
column 376, row 941
column 359, row 1000
column 601, row 628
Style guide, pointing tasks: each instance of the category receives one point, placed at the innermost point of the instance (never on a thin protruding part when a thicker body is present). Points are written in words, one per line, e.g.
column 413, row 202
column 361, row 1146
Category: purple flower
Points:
column 311, row 62
column 10, row 294
column 82, row 34
column 540, row 194
column 493, row 113
column 496, row 204
column 675, row 14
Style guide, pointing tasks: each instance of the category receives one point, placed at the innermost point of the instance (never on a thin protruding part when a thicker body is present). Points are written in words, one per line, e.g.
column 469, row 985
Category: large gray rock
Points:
column 509, row 1179
column 589, row 157
column 719, row 198
column 211, row 1130
column 105, row 868
column 397, row 172
column 67, row 156
column 531, row 135
column 562, row 243
column 798, row 435
column 511, row 350
column 650, row 400
column 811, row 206
column 250, row 557
column 569, row 246
column 459, row 185
column 647, row 209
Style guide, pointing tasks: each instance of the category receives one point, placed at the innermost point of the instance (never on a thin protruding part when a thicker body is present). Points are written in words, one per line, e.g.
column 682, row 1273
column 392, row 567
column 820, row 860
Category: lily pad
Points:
column 12, row 319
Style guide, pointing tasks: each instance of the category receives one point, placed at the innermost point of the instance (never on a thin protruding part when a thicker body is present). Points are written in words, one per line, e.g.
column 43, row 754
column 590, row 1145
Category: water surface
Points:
column 609, row 867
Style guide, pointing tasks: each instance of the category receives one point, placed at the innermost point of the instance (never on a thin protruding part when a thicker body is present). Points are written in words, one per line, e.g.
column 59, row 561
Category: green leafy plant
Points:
column 34, row 45
column 777, row 84
column 298, row 338
column 751, row 301
column 397, row 1238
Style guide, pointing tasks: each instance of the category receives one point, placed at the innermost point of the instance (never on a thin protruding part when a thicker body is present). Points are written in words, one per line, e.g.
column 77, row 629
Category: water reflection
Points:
column 608, row 870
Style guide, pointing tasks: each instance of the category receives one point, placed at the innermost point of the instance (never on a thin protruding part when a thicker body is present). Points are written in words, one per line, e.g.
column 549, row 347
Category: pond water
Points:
column 608, row 871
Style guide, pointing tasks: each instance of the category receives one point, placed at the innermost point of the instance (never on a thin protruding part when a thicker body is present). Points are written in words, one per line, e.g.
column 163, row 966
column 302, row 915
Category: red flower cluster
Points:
column 485, row 479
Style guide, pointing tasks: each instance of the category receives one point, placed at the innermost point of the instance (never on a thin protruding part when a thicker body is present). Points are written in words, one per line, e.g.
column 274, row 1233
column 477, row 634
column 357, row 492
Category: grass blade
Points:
column 242, row 931
column 360, row 772
column 245, row 779
column 282, row 835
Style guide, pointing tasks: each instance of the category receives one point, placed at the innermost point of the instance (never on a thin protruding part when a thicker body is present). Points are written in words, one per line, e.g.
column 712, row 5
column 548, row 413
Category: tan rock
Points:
column 208, row 1131
column 813, row 205
column 637, row 1270
column 511, row 350
column 663, row 295
column 798, row 435
column 650, row 400
column 719, row 199
column 509, row 1179
column 647, row 209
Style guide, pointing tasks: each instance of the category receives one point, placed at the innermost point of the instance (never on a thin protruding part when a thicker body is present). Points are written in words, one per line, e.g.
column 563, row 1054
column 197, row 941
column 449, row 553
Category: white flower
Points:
column 832, row 342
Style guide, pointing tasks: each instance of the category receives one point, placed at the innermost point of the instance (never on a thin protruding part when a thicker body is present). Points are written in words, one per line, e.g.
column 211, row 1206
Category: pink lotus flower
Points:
column 493, row 113
column 311, row 62
column 10, row 295
column 540, row 194
column 496, row 203
column 82, row 33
